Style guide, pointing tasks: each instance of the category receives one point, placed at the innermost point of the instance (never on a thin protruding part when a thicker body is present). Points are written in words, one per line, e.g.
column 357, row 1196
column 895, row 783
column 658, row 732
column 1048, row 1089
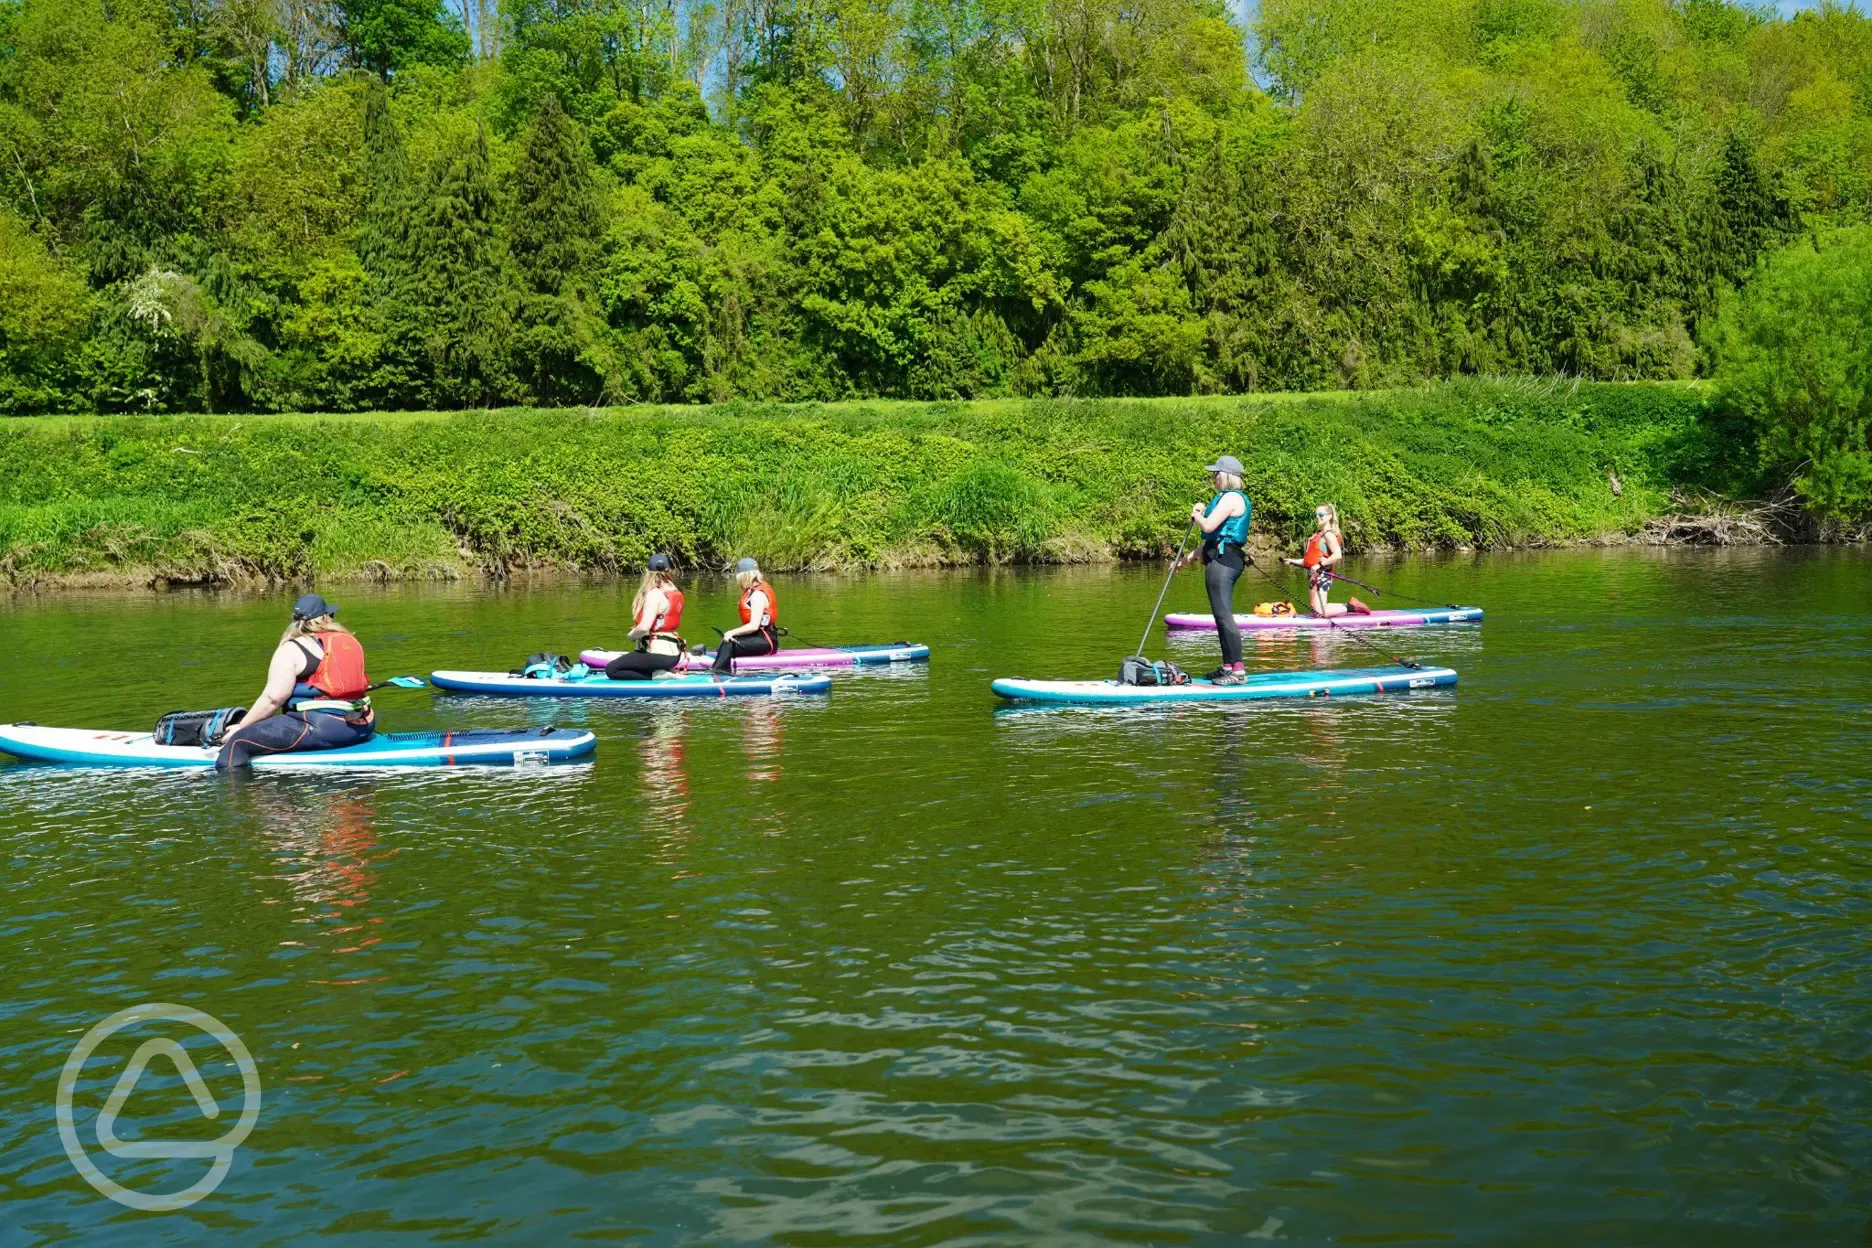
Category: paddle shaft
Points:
column 396, row 683
column 1375, row 592
column 1152, row 621
column 1330, row 622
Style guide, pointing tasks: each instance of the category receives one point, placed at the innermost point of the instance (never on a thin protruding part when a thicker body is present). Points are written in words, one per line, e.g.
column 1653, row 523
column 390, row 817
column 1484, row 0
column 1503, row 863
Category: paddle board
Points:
column 1259, row 685
column 476, row 747
column 506, row 684
column 790, row 660
column 1377, row 619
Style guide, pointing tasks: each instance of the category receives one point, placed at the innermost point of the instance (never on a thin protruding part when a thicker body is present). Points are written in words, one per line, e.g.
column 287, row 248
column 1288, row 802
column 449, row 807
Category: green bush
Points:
column 1794, row 370
column 218, row 498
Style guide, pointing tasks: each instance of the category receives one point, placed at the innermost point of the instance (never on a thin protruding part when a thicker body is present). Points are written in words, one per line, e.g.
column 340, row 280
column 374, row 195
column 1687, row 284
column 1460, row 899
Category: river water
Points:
column 1579, row 951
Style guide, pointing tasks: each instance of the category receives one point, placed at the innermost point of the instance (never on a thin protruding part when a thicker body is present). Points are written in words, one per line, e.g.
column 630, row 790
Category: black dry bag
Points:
column 1138, row 670
column 197, row 727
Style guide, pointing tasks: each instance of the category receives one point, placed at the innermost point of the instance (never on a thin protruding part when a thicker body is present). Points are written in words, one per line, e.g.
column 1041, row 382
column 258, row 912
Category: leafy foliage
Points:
column 1466, row 465
column 1795, row 370
column 406, row 203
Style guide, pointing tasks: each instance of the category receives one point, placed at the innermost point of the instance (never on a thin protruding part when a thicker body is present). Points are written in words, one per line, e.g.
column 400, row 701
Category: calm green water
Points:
column 1578, row 952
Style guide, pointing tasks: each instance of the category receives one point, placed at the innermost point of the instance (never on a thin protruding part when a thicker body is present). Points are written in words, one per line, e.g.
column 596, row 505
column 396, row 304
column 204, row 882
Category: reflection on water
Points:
column 1576, row 950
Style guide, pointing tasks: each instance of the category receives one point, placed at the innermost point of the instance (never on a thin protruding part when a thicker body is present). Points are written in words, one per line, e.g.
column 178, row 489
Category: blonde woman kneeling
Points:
column 656, row 621
column 758, row 632
column 1324, row 549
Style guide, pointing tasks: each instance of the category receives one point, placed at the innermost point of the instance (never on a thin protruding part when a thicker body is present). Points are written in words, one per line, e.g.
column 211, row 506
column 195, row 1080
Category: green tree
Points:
column 44, row 313
column 1794, row 362
column 456, row 290
column 383, row 241
column 553, row 235
column 388, row 37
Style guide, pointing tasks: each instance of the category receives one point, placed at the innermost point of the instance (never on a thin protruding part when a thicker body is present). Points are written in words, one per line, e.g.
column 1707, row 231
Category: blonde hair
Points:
column 745, row 579
column 1333, row 523
column 305, row 628
column 1228, row 480
column 651, row 580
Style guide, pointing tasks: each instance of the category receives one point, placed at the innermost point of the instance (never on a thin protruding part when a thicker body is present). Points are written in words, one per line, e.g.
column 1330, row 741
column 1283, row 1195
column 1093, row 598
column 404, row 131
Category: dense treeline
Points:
column 232, row 205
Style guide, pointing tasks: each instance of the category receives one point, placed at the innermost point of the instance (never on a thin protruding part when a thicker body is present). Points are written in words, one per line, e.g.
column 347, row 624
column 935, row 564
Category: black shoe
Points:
column 1217, row 674
column 1229, row 678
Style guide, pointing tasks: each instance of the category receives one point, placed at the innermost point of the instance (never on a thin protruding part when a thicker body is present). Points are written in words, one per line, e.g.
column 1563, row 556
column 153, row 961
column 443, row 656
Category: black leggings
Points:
column 640, row 665
column 746, row 646
column 1220, row 572
column 287, row 733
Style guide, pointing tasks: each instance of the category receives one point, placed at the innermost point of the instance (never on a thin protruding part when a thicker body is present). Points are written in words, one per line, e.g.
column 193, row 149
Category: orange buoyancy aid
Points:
column 340, row 670
column 773, row 603
column 670, row 622
column 1316, row 550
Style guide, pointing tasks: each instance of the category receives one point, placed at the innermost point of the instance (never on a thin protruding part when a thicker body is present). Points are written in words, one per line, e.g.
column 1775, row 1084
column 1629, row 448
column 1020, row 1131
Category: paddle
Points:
column 1331, row 622
column 1152, row 621
column 399, row 682
column 1375, row 592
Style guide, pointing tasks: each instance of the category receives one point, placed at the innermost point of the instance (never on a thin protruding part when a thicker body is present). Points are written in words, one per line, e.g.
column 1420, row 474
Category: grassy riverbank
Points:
column 401, row 496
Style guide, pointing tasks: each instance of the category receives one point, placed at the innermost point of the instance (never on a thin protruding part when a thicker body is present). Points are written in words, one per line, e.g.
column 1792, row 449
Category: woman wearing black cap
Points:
column 657, row 612
column 1224, row 523
column 758, row 632
column 316, row 694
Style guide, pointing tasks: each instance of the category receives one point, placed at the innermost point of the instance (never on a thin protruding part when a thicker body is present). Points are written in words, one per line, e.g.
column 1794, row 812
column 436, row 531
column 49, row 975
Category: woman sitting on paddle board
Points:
column 1224, row 523
column 316, row 692
column 756, row 633
column 1324, row 549
column 656, row 614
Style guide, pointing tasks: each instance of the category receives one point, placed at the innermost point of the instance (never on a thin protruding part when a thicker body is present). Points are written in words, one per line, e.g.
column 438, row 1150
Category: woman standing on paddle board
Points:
column 1324, row 549
column 1224, row 523
column 315, row 696
column 756, row 634
column 656, row 615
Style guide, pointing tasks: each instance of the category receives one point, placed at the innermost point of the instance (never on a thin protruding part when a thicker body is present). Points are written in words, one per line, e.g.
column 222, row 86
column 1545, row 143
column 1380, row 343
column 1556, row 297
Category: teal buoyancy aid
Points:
column 1234, row 530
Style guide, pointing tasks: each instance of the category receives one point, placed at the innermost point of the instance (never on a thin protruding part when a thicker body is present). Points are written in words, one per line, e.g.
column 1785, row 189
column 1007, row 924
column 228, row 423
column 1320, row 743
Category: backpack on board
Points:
column 1138, row 670
column 197, row 727
column 545, row 665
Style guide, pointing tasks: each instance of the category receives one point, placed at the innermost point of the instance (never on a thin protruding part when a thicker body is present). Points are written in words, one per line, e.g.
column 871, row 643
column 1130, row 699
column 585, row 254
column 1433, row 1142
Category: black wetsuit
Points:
column 1223, row 565
column 640, row 665
column 746, row 646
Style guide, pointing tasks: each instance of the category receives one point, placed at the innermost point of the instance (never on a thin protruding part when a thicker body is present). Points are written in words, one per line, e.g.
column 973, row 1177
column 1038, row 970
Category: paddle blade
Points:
column 408, row 682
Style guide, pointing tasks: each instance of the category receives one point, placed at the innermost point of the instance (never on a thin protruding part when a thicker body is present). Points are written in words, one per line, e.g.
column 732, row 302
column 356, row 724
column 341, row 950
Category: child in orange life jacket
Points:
column 316, row 693
column 656, row 615
column 1324, row 549
column 757, row 634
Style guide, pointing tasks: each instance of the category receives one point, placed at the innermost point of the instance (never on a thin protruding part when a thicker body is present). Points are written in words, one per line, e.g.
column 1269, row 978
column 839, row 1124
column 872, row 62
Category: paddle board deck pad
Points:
column 1377, row 619
column 506, row 684
column 1259, row 685
column 475, row 748
column 791, row 660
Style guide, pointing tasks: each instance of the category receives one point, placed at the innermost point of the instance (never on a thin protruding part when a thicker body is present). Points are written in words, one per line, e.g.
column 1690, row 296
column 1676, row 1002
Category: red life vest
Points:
column 1316, row 551
column 773, row 603
column 340, row 670
column 671, row 619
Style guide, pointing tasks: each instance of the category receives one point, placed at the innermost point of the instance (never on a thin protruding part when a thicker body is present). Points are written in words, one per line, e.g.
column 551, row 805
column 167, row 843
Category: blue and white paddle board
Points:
column 1259, row 685
column 87, row 747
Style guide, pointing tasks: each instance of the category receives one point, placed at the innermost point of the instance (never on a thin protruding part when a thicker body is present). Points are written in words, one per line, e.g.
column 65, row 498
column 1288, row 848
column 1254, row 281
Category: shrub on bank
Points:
column 205, row 498
column 1794, row 357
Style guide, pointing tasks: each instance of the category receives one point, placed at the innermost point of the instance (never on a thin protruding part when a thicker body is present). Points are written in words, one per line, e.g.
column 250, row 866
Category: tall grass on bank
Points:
column 210, row 499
